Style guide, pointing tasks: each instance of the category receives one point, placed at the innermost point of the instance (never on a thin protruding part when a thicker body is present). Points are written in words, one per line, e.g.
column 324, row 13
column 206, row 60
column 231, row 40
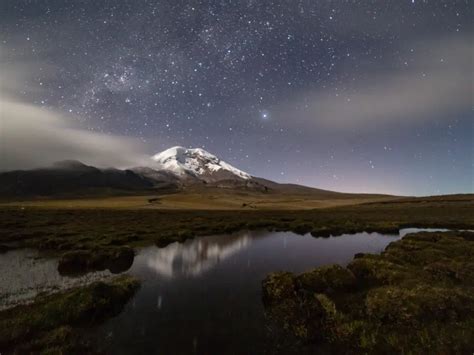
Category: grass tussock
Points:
column 416, row 297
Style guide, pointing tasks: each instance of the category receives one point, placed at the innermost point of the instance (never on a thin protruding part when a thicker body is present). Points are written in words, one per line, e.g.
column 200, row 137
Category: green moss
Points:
column 49, row 319
column 376, row 270
column 416, row 297
column 309, row 316
column 326, row 279
column 278, row 286
column 419, row 305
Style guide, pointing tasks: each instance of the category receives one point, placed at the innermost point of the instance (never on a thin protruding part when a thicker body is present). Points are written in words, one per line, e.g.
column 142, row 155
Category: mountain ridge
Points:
column 170, row 171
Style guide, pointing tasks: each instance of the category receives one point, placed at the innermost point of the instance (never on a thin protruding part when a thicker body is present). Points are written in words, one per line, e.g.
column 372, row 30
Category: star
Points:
column 265, row 115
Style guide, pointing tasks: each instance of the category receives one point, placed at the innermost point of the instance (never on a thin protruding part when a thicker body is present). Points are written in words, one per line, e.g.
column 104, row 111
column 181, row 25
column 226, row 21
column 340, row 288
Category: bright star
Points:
column 265, row 115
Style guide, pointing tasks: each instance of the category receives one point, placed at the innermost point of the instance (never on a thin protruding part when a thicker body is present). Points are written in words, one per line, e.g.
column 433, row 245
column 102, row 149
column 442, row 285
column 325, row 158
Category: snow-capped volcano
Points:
column 196, row 163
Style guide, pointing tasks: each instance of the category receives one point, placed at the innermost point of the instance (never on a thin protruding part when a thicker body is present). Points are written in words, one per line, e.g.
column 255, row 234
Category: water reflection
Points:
column 240, row 260
column 197, row 296
column 203, row 296
column 193, row 257
column 196, row 256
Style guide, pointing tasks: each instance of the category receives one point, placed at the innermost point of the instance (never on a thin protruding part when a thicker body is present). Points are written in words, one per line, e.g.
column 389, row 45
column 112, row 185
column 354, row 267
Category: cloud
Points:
column 435, row 82
column 33, row 136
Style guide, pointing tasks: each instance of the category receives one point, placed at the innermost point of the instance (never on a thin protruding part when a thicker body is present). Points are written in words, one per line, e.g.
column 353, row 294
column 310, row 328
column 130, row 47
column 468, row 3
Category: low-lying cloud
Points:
column 34, row 137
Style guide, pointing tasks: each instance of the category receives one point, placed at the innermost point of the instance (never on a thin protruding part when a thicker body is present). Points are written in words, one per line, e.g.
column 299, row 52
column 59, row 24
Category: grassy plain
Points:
column 66, row 228
column 210, row 199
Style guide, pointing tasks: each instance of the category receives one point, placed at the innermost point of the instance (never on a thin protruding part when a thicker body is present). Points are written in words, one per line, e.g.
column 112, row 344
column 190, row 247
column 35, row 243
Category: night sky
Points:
column 339, row 94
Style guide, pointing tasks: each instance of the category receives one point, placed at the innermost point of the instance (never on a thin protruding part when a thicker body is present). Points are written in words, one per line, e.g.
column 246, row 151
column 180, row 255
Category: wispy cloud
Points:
column 34, row 136
column 435, row 82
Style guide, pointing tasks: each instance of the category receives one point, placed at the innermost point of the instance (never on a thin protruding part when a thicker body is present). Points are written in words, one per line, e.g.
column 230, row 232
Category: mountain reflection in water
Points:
column 203, row 296
column 196, row 256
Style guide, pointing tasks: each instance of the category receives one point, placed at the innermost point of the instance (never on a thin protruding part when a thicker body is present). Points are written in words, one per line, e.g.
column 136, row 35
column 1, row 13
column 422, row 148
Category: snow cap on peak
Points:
column 196, row 162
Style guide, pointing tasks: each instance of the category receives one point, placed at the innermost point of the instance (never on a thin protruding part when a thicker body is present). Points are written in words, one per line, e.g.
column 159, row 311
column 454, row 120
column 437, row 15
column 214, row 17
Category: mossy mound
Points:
column 417, row 305
column 416, row 297
column 115, row 259
column 373, row 270
column 327, row 279
column 48, row 323
column 278, row 285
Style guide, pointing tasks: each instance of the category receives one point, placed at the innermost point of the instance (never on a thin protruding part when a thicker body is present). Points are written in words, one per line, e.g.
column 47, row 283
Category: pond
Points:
column 200, row 296
column 203, row 296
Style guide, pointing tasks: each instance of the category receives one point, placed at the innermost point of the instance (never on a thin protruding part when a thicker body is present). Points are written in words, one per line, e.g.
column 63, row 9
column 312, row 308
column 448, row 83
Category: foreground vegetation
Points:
column 52, row 323
column 416, row 297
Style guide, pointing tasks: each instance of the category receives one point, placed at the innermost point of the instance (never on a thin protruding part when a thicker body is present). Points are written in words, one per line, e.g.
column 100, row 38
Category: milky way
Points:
column 345, row 95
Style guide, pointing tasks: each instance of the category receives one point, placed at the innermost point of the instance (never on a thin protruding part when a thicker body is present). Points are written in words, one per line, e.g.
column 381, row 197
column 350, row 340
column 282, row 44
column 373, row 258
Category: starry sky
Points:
column 347, row 95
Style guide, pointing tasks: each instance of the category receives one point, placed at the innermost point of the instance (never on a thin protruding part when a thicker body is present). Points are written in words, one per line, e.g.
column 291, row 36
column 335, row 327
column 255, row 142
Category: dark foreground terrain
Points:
column 53, row 323
column 415, row 297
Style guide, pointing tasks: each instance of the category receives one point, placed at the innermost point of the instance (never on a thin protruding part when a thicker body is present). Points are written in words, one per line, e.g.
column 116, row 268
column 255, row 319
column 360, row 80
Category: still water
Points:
column 203, row 296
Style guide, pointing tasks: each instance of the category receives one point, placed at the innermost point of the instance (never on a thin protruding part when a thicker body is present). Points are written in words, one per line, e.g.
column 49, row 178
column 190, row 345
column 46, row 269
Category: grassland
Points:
column 103, row 230
column 209, row 198
column 66, row 229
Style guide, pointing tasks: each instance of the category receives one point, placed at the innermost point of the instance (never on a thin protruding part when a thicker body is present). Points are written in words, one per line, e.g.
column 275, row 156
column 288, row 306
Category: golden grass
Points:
column 215, row 199
column 191, row 201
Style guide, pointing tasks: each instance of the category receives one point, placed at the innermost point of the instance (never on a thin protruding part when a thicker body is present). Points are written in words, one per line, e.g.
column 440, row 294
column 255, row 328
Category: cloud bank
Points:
column 34, row 137
column 434, row 82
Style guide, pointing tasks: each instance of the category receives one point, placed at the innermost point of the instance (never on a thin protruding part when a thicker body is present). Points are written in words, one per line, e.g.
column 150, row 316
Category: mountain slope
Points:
column 69, row 177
